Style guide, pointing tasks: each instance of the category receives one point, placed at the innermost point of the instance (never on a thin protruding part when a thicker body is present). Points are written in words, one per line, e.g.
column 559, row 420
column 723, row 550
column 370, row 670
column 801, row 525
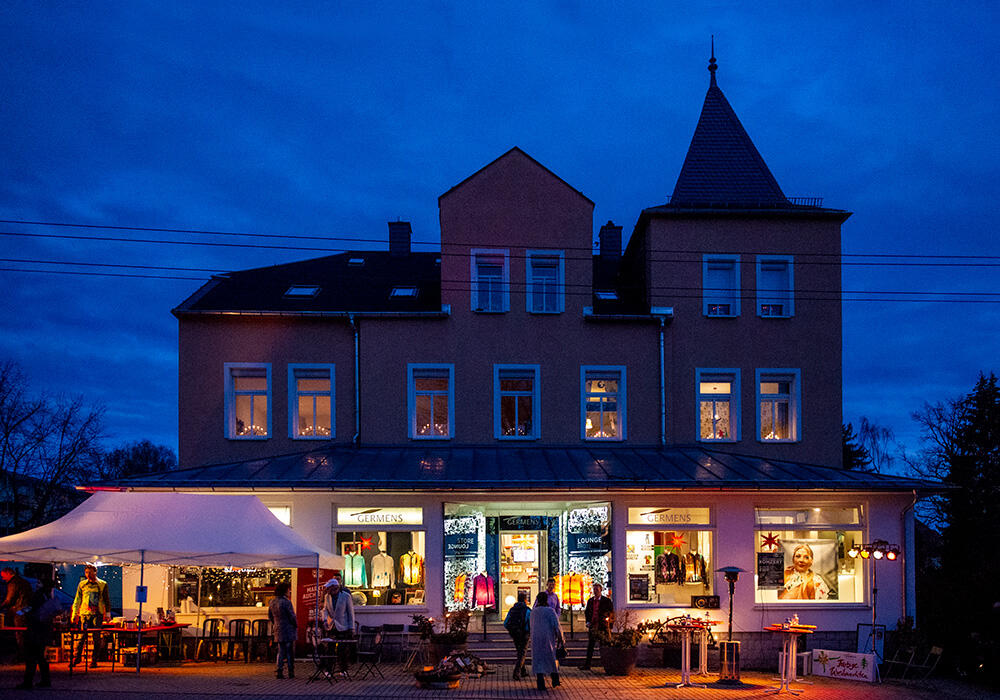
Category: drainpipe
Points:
column 910, row 560
column 357, row 386
column 663, row 392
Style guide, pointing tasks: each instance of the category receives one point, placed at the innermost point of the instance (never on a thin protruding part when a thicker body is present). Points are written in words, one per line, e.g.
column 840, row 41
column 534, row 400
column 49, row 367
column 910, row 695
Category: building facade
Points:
column 518, row 406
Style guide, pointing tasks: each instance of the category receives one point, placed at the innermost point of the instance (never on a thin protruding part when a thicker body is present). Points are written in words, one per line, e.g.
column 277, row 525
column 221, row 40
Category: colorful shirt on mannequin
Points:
column 411, row 568
column 383, row 571
column 460, row 581
column 482, row 590
column 354, row 571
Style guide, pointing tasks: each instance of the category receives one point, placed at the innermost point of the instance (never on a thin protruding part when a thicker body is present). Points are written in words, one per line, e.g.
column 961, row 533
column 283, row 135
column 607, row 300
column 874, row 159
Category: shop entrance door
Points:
column 520, row 567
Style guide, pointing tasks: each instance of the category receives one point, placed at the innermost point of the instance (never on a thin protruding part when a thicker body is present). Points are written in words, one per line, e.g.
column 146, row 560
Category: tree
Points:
column 47, row 446
column 855, row 455
column 962, row 449
column 141, row 457
column 879, row 443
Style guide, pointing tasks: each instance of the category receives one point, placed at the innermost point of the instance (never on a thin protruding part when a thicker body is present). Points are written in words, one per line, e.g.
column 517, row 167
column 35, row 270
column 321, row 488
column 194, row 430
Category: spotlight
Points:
column 865, row 554
column 891, row 555
column 877, row 554
column 853, row 552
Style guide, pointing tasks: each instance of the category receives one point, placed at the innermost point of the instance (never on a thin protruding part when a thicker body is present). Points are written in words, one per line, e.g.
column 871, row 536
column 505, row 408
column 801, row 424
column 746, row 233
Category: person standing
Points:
column 550, row 591
column 285, row 628
column 37, row 619
column 546, row 638
column 338, row 618
column 518, row 626
column 599, row 612
column 18, row 595
column 91, row 607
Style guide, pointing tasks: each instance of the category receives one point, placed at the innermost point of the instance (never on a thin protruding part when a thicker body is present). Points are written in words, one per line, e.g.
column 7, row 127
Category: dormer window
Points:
column 300, row 291
column 606, row 295
column 355, row 262
column 403, row 292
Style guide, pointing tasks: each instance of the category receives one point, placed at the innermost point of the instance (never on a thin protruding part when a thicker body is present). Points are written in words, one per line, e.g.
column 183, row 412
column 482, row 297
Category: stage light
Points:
column 865, row 553
column 891, row 555
column 853, row 552
column 878, row 554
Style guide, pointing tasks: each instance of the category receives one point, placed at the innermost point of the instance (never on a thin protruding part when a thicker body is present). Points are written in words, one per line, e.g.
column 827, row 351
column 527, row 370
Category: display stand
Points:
column 789, row 647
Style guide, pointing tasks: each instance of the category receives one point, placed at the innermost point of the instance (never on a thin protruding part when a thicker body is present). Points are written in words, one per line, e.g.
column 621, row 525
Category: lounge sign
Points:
column 674, row 517
column 369, row 517
column 461, row 545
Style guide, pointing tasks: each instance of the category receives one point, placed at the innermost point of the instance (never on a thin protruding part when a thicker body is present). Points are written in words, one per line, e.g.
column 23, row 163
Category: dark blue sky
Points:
column 242, row 117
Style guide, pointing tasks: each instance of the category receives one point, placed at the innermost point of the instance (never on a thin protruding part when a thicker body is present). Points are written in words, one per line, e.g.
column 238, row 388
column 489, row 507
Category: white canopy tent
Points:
column 181, row 529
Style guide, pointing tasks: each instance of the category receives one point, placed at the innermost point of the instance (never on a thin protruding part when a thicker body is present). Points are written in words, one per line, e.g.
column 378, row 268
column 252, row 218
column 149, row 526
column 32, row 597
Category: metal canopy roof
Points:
column 580, row 467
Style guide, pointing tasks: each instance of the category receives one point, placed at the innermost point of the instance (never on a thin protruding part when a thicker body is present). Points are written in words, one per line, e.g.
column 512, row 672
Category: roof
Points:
column 579, row 467
column 343, row 286
column 513, row 150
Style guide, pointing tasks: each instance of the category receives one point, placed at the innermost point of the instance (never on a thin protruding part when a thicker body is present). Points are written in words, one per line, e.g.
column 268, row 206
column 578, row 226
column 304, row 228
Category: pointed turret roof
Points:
column 723, row 167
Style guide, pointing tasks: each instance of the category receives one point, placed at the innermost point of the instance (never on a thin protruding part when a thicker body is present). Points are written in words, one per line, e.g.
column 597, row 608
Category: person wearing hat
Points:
column 338, row 618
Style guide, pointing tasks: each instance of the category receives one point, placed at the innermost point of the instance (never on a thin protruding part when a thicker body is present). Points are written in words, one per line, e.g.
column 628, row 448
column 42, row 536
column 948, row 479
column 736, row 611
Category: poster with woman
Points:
column 810, row 570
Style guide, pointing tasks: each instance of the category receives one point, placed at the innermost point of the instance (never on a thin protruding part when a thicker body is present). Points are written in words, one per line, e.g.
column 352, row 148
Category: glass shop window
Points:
column 192, row 586
column 802, row 555
column 670, row 561
column 383, row 567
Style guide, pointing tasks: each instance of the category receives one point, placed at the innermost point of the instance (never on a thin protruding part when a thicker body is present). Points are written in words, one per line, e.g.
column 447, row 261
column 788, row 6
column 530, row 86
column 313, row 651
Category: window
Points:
column 516, row 403
column 247, row 401
column 403, row 292
column 383, row 554
column 210, row 587
column 545, row 282
column 431, row 400
column 302, row 290
column 669, row 566
column 490, row 278
column 778, row 402
column 310, row 402
column 721, row 285
column 606, row 295
column 282, row 513
column 803, row 555
column 718, row 404
column 775, row 284
column 603, row 404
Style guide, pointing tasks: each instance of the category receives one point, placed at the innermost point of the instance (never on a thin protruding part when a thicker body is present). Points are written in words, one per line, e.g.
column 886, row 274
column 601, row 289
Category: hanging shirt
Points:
column 460, row 588
column 354, row 571
column 383, row 571
column 411, row 568
column 482, row 590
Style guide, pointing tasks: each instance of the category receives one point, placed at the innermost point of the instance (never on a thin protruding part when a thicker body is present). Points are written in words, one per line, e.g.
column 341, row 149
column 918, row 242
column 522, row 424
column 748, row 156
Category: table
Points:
column 117, row 631
column 685, row 630
column 789, row 647
column 325, row 657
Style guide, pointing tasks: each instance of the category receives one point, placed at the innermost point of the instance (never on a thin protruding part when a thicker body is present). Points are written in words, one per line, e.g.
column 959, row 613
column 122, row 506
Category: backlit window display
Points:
column 802, row 555
column 672, row 563
column 383, row 567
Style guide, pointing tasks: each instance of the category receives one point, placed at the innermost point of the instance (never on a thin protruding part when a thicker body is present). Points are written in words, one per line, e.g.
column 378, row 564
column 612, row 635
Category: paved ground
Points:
column 256, row 681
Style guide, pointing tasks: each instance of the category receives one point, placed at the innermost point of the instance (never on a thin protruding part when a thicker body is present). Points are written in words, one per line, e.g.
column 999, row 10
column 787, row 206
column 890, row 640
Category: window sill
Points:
column 675, row 606
column 779, row 442
column 509, row 438
column 489, row 311
column 724, row 441
column 543, row 313
column 587, row 439
column 440, row 438
column 331, row 436
column 721, row 315
column 811, row 605
column 767, row 316
column 248, row 438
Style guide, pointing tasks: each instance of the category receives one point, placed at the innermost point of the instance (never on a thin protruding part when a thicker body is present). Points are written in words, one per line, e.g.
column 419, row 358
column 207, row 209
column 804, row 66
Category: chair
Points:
column 260, row 638
column 392, row 641
column 239, row 638
column 213, row 637
column 416, row 647
column 369, row 651
column 324, row 655
column 901, row 660
column 929, row 663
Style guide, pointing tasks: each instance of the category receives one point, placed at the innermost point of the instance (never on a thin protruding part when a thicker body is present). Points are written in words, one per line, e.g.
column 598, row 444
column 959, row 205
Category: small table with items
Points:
column 789, row 648
column 686, row 626
column 326, row 653
column 164, row 634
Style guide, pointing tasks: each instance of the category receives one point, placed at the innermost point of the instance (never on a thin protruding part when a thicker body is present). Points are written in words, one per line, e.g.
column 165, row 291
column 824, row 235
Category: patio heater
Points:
column 482, row 588
column 729, row 651
column 879, row 549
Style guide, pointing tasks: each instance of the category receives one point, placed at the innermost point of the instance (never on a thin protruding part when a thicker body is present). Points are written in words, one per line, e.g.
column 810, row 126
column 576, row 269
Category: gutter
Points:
column 445, row 312
column 910, row 560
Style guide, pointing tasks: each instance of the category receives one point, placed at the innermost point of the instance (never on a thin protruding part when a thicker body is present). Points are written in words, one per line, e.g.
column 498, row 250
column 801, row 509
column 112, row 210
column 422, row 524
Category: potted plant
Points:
column 619, row 644
column 451, row 638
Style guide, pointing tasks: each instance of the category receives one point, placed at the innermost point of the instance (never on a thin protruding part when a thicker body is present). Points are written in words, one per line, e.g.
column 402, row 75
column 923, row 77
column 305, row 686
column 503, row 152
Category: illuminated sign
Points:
column 676, row 517
column 380, row 516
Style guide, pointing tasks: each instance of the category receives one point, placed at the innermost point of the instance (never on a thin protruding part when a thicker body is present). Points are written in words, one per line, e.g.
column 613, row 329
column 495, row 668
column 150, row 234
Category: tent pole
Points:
column 316, row 601
column 197, row 619
column 138, row 645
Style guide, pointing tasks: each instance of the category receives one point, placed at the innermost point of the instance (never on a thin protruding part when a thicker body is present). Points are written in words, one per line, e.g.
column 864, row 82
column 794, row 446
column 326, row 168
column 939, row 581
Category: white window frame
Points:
column 494, row 253
column 786, row 297
column 732, row 375
column 293, row 400
column 794, row 376
column 229, row 418
column 559, row 258
column 621, row 400
column 713, row 296
column 536, row 404
column 411, row 398
column 279, row 506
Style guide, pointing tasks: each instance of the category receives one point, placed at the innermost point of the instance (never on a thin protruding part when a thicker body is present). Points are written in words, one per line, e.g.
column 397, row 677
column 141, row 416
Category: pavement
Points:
column 256, row 680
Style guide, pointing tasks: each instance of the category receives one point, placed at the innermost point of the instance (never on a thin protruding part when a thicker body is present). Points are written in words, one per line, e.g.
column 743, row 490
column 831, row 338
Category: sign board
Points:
column 309, row 595
column 770, row 570
column 588, row 543
column 372, row 518
column 638, row 587
column 674, row 517
column 524, row 522
column 461, row 545
column 844, row 664
column 869, row 642
column 140, row 594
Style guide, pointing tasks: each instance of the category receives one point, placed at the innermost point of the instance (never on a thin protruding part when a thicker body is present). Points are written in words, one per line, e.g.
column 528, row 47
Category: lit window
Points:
column 311, row 401
column 282, row 513
column 247, row 400
column 721, row 285
column 431, row 400
column 603, row 403
column 403, row 292
column 606, row 295
column 718, row 405
column 356, row 262
column 775, row 285
column 516, row 403
column 778, row 401
column 545, row 282
column 490, row 277
column 302, row 290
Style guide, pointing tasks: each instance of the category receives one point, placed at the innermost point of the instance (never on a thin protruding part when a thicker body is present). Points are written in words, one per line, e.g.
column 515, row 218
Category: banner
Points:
column 588, row 543
column 461, row 545
column 306, row 591
column 844, row 664
column 770, row 570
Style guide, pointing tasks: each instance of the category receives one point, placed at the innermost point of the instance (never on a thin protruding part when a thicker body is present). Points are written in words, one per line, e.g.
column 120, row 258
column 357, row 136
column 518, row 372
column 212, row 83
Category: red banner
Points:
column 306, row 593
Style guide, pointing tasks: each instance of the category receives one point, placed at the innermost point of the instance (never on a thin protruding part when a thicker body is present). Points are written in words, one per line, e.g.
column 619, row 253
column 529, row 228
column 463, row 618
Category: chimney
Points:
column 610, row 239
column 399, row 238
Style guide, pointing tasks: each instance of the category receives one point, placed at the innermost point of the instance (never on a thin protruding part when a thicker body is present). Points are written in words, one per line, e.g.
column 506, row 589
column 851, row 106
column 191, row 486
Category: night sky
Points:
column 246, row 118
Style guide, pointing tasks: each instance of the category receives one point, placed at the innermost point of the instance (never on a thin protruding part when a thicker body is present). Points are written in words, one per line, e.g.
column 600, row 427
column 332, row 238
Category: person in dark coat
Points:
column 18, row 595
column 518, row 625
column 285, row 628
column 36, row 616
column 546, row 638
column 599, row 612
